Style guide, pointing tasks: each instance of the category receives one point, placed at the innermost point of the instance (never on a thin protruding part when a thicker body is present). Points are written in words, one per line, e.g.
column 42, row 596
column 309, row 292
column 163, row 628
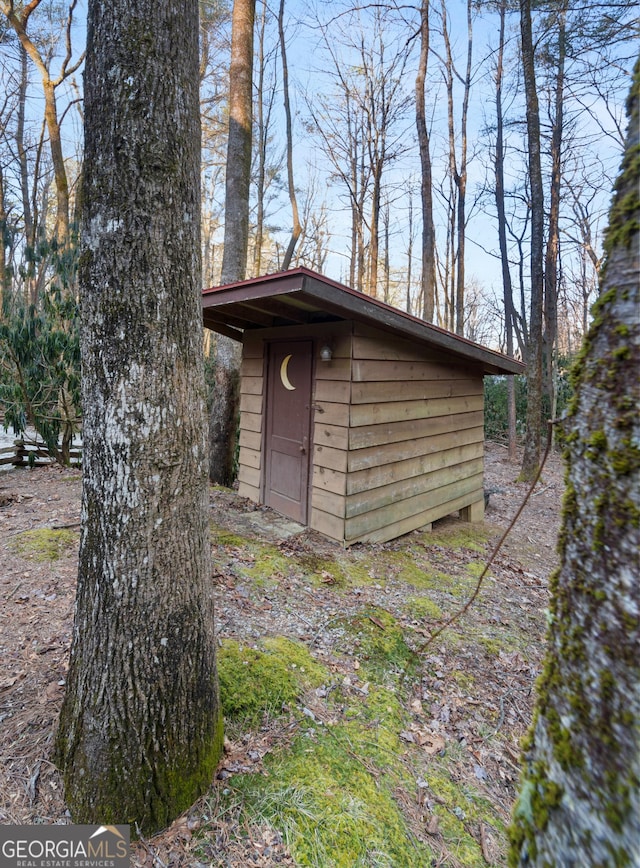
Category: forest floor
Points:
column 349, row 741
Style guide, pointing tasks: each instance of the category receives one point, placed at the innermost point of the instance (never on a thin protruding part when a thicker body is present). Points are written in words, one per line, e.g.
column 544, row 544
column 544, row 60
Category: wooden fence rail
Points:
column 33, row 454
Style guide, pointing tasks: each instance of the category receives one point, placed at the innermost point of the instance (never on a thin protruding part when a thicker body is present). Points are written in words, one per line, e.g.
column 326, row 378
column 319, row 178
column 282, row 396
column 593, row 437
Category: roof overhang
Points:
column 302, row 296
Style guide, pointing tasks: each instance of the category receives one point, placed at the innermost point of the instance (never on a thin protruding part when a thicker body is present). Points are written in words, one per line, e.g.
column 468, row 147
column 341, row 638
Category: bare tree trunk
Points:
column 141, row 730
column 457, row 170
column 238, row 178
column 580, row 800
column 261, row 147
column 387, row 266
column 29, row 231
column 532, row 444
column 296, row 228
column 223, row 424
column 553, row 230
column 507, row 288
column 374, row 229
column 5, row 274
column 461, row 183
column 410, row 255
column 428, row 279
column 57, row 158
column 19, row 23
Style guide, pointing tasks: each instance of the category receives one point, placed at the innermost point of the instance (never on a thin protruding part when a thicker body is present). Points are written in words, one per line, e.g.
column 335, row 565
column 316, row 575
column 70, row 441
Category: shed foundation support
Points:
column 473, row 513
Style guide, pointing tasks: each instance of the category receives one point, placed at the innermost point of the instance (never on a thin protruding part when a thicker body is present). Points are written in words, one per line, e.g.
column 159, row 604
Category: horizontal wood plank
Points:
column 251, row 385
column 335, row 370
column 403, row 490
column 328, row 502
column 327, row 413
column 325, row 479
column 252, row 367
column 336, row 392
column 328, row 524
column 251, row 421
column 250, row 439
column 334, row 459
column 251, row 458
column 412, row 522
column 252, row 347
column 331, row 435
column 412, row 468
column 375, row 456
column 398, row 411
column 250, row 403
column 429, row 506
column 251, row 492
column 249, row 476
column 395, row 432
column 378, row 345
column 368, row 371
column 370, row 393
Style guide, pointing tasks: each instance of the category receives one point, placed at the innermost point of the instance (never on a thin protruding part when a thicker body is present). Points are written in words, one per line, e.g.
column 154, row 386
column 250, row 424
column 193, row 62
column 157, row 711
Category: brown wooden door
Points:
column 288, row 424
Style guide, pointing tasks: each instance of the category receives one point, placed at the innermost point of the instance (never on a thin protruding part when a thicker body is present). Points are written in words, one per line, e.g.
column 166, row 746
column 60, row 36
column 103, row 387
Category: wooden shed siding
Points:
column 334, row 459
column 418, row 390
column 396, row 528
column 371, row 370
column 331, row 399
column 415, row 437
column 331, row 435
column 333, row 391
column 251, row 415
column 325, row 479
column 328, row 523
column 399, row 411
column 374, row 477
column 412, row 510
column 383, row 455
column 397, row 432
column 328, row 413
column 396, row 492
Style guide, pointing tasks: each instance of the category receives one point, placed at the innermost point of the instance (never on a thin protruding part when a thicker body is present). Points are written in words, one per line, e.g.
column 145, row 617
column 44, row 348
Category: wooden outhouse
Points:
column 356, row 419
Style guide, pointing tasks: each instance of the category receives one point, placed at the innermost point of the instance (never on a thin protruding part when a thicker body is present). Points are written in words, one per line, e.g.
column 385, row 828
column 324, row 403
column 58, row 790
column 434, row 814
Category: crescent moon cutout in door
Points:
column 288, row 428
column 284, row 376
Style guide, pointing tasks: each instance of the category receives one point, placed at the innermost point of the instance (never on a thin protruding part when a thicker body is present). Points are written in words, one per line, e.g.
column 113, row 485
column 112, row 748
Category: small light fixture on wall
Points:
column 326, row 353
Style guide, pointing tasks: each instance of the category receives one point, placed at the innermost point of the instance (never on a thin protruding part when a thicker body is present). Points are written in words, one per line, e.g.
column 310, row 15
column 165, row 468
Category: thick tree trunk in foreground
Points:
column 140, row 731
column 580, row 799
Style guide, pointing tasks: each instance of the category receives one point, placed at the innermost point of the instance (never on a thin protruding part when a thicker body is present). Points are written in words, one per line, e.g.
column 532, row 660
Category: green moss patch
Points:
column 381, row 645
column 340, row 572
column 459, row 536
column 331, row 810
column 461, row 808
column 255, row 681
column 412, row 568
column 248, row 558
column 423, row 608
column 332, row 794
column 43, row 544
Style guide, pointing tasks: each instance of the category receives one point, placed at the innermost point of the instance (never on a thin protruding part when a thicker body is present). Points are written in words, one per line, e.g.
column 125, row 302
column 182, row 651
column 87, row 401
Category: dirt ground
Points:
column 37, row 594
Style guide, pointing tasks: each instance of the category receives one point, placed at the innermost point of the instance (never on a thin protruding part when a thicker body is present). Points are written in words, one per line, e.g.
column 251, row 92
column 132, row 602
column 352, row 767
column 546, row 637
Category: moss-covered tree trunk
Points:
column 580, row 799
column 140, row 730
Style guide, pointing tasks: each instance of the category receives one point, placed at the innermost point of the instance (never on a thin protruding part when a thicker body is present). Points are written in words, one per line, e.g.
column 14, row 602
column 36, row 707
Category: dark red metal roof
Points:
column 301, row 296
